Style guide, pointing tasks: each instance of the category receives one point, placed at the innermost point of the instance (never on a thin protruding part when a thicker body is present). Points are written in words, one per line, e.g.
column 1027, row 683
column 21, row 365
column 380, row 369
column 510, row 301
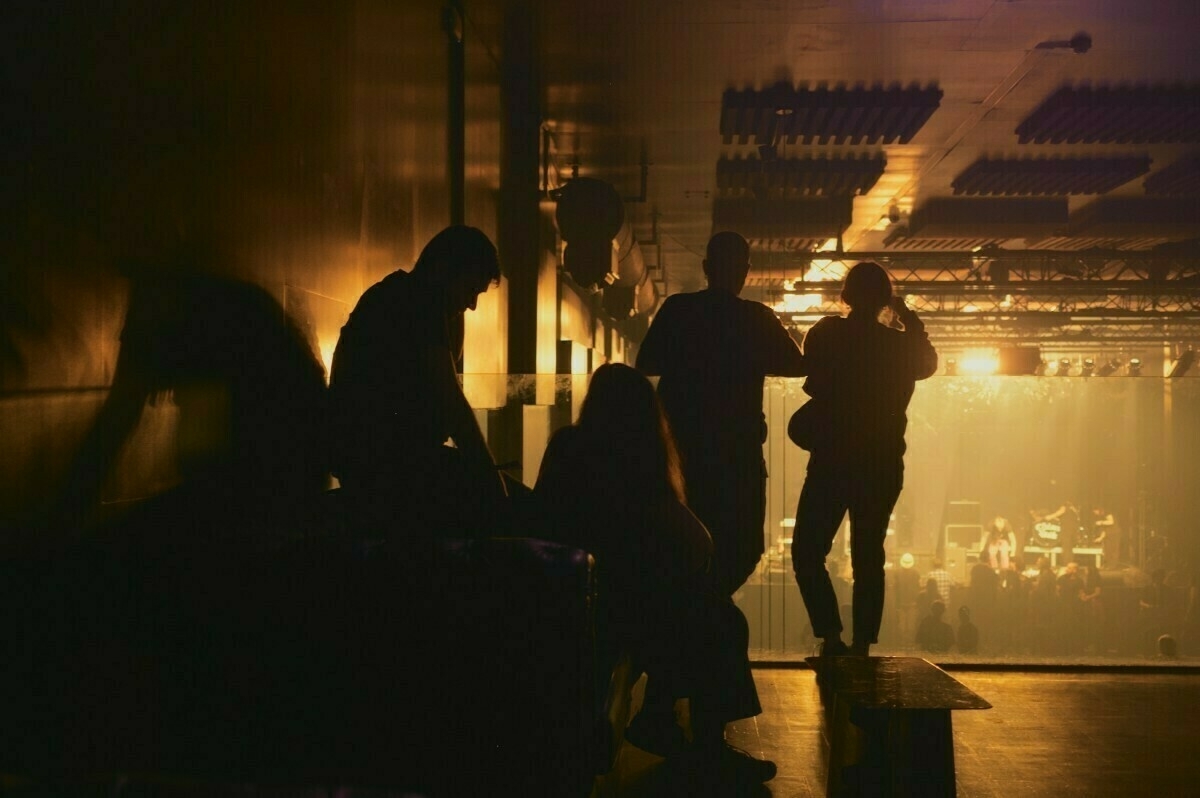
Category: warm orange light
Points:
column 799, row 303
column 979, row 362
column 326, row 349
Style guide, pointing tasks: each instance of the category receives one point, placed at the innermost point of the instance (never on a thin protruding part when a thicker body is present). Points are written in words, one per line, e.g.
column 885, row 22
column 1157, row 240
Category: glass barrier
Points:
column 1121, row 451
column 1095, row 476
column 1096, row 479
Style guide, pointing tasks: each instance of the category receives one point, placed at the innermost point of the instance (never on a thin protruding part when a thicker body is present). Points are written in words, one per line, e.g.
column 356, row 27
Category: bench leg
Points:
column 890, row 753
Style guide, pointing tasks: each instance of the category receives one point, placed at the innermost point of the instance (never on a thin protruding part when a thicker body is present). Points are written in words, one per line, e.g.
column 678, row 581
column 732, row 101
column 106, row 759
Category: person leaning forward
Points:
column 397, row 402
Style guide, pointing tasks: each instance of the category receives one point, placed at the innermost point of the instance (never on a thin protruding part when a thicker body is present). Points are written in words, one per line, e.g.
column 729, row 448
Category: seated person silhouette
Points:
column 250, row 393
column 934, row 634
column 397, row 403
column 611, row 484
column 968, row 632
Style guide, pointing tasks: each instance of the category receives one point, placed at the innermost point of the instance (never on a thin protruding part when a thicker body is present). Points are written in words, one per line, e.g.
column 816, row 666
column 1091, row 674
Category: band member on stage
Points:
column 1106, row 532
column 1059, row 528
column 999, row 543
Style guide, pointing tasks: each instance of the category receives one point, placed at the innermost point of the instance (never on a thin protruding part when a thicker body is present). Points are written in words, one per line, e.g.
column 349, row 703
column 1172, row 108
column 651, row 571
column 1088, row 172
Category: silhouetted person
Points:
column 652, row 555
column 1106, row 532
column 934, row 634
column 861, row 375
column 968, row 633
column 712, row 351
column 999, row 543
column 250, row 392
column 108, row 604
column 397, row 400
column 907, row 584
column 983, row 590
column 1067, row 516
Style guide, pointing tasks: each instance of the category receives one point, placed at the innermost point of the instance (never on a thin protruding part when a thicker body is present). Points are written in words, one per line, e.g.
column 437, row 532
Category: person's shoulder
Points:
column 758, row 311
column 828, row 324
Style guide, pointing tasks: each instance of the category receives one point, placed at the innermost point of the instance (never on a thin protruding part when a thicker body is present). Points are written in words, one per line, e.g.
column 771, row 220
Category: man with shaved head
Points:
column 712, row 350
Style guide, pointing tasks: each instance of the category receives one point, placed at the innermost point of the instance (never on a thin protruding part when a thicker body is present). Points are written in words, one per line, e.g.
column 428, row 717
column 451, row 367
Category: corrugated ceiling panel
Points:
column 1180, row 179
column 817, row 217
column 1048, row 176
column 1076, row 243
column 844, row 116
column 813, row 177
column 1136, row 217
column 990, row 218
column 898, row 239
column 1120, row 114
column 786, row 244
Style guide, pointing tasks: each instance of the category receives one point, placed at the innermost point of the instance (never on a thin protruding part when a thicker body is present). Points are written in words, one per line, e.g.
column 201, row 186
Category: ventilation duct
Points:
column 601, row 249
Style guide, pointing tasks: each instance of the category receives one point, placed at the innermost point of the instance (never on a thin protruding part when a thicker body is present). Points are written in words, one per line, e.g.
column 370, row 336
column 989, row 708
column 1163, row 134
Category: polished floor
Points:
column 1085, row 733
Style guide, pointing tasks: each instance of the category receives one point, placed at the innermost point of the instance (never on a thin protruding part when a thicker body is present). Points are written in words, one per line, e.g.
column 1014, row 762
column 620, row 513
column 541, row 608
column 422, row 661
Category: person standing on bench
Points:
column 861, row 375
column 611, row 484
column 712, row 351
column 396, row 399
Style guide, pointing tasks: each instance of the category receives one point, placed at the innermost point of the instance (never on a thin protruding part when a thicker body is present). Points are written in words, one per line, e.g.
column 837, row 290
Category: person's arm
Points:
column 118, row 416
column 922, row 357
column 460, row 418
column 653, row 353
column 818, row 358
column 781, row 354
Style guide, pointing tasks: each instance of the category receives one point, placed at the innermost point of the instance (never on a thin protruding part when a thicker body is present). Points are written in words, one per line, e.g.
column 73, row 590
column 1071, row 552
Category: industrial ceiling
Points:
column 1027, row 170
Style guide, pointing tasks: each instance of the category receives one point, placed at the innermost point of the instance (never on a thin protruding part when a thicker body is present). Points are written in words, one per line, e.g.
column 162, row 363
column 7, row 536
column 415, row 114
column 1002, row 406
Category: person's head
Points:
column 964, row 614
column 937, row 609
column 867, row 287
column 1000, row 522
column 937, row 563
column 727, row 262
column 622, row 411
column 1072, row 568
column 1167, row 647
column 931, row 585
column 462, row 262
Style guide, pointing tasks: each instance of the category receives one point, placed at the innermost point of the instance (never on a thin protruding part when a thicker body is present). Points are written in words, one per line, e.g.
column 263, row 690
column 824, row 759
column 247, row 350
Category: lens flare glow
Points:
column 979, row 362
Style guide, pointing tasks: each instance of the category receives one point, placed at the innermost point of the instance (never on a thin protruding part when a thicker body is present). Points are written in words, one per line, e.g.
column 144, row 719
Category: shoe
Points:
column 834, row 647
column 860, row 649
column 745, row 765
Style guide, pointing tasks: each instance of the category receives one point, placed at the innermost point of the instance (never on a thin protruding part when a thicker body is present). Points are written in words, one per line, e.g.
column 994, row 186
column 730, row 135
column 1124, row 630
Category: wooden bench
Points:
column 888, row 725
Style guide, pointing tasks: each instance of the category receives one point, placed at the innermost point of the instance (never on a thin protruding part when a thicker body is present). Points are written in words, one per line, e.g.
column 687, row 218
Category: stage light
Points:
column 1089, row 367
column 1064, row 367
column 979, row 363
column 1135, row 366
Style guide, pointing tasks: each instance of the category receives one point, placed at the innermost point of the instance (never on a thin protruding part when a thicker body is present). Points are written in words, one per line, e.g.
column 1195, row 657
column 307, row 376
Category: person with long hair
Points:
column 611, row 484
column 999, row 543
